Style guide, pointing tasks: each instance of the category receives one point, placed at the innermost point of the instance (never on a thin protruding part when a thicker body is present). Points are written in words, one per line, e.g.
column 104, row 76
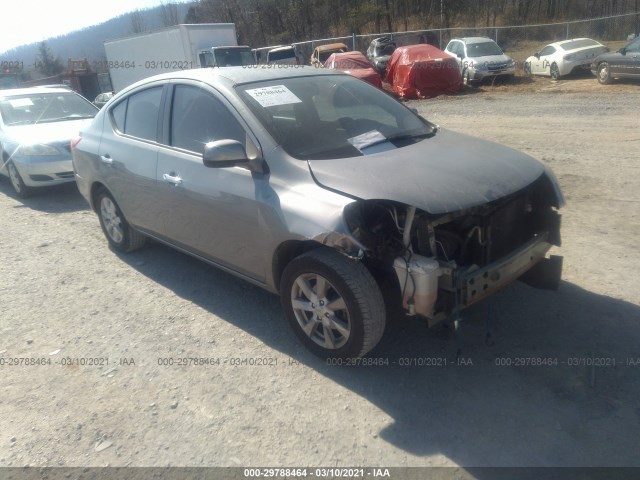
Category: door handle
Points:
column 172, row 179
column 106, row 159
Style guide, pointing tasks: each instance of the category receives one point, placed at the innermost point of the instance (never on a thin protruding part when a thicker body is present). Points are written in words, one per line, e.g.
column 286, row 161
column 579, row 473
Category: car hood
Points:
column 45, row 132
column 491, row 59
column 442, row 174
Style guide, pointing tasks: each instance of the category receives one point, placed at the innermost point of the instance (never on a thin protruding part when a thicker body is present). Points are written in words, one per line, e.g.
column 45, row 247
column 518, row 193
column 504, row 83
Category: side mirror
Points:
column 623, row 50
column 224, row 153
column 537, row 55
column 460, row 55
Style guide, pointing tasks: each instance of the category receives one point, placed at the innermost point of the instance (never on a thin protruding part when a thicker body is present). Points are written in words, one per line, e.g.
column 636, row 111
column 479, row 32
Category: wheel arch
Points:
column 95, row 188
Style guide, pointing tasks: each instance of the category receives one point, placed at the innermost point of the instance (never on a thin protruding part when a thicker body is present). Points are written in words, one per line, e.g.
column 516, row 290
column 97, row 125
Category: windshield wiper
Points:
column 399, row 137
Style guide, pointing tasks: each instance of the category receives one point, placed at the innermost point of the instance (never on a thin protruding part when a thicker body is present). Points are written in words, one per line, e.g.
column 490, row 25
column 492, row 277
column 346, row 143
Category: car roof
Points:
column 33, row 90
column 331, row 46
column 564, row 42
column 231, row 76
column 283, row 48
column 469, row 40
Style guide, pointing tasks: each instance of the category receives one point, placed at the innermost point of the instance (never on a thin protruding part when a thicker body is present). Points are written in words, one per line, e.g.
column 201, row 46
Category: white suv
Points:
column 479, row 58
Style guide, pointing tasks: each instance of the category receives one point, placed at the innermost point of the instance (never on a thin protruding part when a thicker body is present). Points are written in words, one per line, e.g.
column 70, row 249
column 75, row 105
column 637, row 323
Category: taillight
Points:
column 75, row 141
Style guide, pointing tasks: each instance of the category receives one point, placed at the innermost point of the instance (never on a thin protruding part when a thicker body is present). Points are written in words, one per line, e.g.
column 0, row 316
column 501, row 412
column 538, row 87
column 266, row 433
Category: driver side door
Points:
column 212, row 212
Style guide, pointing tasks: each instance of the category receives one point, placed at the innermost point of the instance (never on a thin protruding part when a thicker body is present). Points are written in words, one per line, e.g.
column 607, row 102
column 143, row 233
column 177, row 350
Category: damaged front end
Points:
column 455, row 259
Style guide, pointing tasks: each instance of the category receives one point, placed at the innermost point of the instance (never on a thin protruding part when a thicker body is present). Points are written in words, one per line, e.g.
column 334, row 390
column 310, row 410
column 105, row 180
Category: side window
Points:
column 197, row 117
column 548, row 50
column 141, row 119
column 118, row 114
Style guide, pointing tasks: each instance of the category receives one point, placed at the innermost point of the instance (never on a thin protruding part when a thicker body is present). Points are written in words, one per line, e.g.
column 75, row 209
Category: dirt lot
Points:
column 65, row 296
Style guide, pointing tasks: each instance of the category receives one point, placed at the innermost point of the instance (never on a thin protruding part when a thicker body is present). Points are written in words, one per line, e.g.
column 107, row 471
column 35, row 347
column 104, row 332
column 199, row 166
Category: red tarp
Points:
column 356, row 64
column 423, row 71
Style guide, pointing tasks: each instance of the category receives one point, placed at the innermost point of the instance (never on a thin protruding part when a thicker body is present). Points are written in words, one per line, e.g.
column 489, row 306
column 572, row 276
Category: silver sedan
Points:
column 323, row 189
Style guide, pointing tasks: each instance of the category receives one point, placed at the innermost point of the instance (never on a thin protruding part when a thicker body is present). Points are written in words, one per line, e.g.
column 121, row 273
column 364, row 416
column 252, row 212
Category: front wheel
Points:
column 115, row 227
column 527, row 69
column 466, row 79
column 17, row 183
column 604, row 74
column 333, row 304
column 555, row 72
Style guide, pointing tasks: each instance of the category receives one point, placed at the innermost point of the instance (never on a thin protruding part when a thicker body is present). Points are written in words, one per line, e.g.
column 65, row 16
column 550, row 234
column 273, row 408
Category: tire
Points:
column 555, row 72
column 22, row 190
column 115, row 226
column 527, row 69
column 604, row 73
column 466, row 79
column 349, row 310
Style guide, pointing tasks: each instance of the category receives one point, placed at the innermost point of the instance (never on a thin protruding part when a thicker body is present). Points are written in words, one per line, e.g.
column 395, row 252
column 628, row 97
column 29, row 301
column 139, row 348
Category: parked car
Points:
column 323, row 52
column 36, row 127
column 102, row 99
column 315, row 185
column 423, row 71
column 563, row 58
column 379, row 52
column 286, row 55
column 356, row 64
column 625, row 63
column 480, row 58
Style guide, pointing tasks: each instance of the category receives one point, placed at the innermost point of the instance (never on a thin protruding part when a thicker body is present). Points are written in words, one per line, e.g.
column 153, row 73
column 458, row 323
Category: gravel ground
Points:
column 65, row 296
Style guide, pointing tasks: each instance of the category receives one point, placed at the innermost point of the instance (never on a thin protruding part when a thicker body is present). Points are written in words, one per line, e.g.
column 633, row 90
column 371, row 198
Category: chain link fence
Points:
column 604, row 29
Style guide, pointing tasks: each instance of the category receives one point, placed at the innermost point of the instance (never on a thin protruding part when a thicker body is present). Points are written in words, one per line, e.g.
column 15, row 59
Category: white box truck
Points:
column 180, row 47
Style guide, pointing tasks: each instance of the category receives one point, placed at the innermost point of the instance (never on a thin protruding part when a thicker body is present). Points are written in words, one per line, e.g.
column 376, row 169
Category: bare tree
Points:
column 46, row 62
column 137, row 22
column 169, row 14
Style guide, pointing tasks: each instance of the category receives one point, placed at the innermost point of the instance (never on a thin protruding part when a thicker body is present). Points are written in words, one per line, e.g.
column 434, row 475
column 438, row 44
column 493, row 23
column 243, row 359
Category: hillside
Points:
column 88, row 42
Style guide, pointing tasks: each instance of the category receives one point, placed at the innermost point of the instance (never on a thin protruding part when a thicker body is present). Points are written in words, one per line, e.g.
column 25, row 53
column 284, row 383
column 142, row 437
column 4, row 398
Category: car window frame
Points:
column 165, row 136
column 542, row 54
column 126, row 98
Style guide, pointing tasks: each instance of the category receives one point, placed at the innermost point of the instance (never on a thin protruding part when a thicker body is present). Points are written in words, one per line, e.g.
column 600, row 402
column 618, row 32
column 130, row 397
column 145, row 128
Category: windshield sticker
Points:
column 273, row 96
column 367, row 139
column 21, row 102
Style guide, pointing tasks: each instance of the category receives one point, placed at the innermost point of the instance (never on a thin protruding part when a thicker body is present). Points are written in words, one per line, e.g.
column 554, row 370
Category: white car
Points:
column 562, row 58
column 36, row 128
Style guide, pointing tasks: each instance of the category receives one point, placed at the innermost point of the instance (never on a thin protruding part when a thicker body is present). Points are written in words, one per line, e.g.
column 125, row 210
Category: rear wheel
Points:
column 333, row 304
column 115, row 227
column 17, row 183
column 604, row 74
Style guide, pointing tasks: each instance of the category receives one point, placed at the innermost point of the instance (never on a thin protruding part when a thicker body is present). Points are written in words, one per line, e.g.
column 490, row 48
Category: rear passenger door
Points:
column 129, row 156
column 209, row 211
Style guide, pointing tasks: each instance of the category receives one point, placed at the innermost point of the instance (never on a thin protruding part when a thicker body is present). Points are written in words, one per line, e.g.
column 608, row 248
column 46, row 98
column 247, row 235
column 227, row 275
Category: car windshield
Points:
column 332, row 116
column 483, row 49
column 234, row 57
column 283, row 54
column 44, row 108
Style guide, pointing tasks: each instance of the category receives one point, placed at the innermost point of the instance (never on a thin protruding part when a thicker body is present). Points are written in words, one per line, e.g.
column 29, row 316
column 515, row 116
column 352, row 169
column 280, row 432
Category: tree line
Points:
column 270, row 22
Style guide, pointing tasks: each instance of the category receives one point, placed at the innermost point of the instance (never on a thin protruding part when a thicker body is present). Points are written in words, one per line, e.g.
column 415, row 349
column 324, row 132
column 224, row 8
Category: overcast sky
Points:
column 28, row 21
